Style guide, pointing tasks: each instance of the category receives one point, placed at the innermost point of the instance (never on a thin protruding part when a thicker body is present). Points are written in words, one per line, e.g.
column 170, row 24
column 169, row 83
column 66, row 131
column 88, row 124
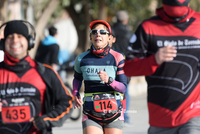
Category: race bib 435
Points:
column 16, row 114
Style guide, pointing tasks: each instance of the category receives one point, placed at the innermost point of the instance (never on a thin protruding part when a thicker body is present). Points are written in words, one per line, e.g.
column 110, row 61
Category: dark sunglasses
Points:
column 101, row 31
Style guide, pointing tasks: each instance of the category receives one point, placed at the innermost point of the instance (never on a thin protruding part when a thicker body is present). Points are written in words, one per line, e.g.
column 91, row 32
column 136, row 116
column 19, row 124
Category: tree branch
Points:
column 42, row 22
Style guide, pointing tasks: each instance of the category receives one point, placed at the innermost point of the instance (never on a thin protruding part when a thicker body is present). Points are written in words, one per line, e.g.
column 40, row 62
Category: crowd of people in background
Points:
column 164, row 48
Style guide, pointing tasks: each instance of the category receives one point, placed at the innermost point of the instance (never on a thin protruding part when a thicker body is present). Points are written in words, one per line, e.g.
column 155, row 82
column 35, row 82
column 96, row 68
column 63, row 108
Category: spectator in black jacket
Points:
column 123, row 36
column 47, row 51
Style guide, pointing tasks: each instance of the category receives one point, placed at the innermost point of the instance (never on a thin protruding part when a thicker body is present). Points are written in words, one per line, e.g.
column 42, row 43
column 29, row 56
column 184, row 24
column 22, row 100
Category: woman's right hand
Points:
column 78, row 102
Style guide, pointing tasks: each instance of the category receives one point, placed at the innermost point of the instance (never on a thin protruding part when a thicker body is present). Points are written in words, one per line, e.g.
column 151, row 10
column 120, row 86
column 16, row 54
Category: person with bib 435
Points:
column 101, row 68
column 33, row 97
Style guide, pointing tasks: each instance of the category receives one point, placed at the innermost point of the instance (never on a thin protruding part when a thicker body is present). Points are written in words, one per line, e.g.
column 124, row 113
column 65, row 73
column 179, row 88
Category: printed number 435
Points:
column 16, row 114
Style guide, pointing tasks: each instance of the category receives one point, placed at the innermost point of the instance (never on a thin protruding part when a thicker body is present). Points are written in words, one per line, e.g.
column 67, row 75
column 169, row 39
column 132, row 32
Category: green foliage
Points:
column 138, row 10
column 65, row 3
column 195, row 5
column 83, row 11
column 93, row 8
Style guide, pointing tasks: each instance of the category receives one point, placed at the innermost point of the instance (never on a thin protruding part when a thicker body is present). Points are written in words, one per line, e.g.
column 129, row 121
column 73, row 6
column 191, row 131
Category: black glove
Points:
column 39, row 123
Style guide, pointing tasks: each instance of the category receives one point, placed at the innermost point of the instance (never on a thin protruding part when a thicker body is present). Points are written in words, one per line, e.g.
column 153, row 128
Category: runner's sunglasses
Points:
column 101, row 31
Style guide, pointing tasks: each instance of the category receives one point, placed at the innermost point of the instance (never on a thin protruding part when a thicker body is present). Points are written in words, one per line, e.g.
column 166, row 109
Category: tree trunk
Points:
column 83, row 33
column 87, row 29
column 102, row 15
column 3, row 10
column 42, row 22
column 74, row 16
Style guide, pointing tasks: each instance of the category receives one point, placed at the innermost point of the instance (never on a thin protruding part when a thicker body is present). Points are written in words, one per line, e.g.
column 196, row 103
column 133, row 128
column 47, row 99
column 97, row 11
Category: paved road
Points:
column 138, row 114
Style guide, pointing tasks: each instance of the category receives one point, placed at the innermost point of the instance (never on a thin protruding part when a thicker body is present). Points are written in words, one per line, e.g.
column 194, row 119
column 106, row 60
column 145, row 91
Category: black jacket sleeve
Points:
column 58, row 101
